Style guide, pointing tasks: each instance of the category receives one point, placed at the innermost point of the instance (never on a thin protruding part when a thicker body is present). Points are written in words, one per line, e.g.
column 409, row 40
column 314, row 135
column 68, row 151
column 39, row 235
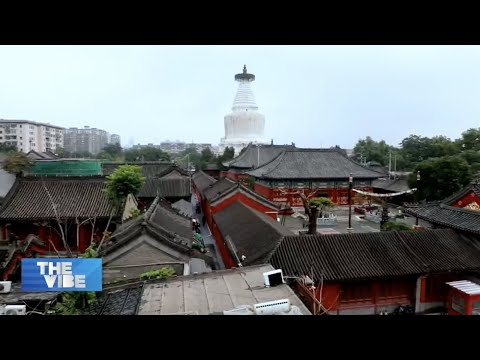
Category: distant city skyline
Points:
column 313, row 96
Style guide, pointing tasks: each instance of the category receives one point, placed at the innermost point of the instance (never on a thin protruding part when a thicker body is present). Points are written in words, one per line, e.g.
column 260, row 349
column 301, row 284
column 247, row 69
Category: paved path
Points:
column 208, row 239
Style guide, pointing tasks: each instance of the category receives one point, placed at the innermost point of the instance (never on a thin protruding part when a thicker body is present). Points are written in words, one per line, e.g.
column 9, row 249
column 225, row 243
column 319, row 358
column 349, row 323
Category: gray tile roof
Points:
column 250, row 158
column 313, row 164
column 82, row 197
column 447, row 216
column 160, row 222
column 343, row 257
column 219, row 187
column 248, row 193
column 149, row 169
column 251, row 233
column 167, row 188
column 202, row 181
column 183, row 207
column 161, row 178
column 397, row 185
column 123, row 301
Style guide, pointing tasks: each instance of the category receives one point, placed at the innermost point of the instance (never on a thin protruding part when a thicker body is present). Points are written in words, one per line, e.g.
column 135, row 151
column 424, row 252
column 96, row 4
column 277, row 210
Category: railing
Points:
column 330, row 220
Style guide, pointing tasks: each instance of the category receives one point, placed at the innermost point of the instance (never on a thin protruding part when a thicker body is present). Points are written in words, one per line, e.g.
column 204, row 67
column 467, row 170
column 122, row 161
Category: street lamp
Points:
column 417, row 194
column 350, row 185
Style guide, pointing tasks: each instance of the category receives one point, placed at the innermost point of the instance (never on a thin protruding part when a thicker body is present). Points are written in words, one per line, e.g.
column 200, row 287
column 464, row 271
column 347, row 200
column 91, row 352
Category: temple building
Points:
column 244, row 124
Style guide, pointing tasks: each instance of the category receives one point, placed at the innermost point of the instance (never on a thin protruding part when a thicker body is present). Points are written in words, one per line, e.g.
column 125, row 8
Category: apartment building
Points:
column 29, row 135
column 88, row 139
column 114, row 139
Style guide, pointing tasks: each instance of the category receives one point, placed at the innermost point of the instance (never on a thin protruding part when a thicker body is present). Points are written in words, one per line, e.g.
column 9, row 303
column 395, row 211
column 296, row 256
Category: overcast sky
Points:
column 314, row 96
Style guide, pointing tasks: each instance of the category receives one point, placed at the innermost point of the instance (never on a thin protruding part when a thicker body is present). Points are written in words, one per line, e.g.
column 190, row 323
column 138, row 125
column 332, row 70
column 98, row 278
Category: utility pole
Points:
column 350, row 185
column 395, row 167
column 390, row 165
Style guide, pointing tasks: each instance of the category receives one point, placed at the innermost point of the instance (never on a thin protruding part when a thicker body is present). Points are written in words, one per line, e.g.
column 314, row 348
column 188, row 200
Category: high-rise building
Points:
column 244, row 124
column 88, row 139
column 114, row 139
column 29, row 135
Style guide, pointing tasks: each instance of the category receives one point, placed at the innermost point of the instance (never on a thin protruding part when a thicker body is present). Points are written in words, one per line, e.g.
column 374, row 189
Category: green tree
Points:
column 149, row 153
column 440, row 177
column 473, row 159
column 322, row 204
column 71, row 303
column 5, row 148
column 207, row 155
column 228, row 154
column 396, row 226
column 126, row 179
column 60, row 151
column 16, row 163
column 113, row 150
column 470, row 140
column 162, row 273
column 370, row 150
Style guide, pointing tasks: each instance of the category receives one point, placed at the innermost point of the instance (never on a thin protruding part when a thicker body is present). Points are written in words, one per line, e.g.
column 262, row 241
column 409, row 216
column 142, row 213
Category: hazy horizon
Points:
column 314, row 96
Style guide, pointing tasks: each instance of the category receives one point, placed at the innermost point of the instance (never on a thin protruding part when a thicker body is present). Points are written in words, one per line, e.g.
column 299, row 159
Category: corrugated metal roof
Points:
column 466, row 287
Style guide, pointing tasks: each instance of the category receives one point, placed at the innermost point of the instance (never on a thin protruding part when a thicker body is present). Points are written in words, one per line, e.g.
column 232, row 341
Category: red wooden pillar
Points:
column 82, row 241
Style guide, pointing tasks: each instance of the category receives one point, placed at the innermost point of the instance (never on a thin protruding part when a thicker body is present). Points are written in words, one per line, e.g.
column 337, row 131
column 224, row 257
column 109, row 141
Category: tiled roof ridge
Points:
column 32, row 178
column 11, row 193
column 277, row 158
column 463, row 210
column 415, row 257
column 239, row 157
column 168, row 206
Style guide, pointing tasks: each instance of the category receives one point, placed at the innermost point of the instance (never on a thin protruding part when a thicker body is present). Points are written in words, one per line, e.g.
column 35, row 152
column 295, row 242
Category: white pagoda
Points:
column 244, row 124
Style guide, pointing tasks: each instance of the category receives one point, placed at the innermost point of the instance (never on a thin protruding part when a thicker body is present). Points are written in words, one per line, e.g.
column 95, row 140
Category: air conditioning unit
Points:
column 272, row 307
column 273, row 278
column 5, row 287
column 15, row 310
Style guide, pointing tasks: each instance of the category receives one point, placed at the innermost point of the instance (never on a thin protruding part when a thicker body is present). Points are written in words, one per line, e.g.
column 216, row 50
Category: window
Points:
column 354, row 292
column 476, row 306
column 458, row 304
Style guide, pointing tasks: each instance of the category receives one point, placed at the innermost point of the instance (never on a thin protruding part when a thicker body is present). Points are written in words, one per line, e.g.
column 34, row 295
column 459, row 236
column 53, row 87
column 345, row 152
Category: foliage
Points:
column 362, row 199
column 440, row 177
column 90, row 252
column 322, row 203
column 16, row 162
column 71, row 303
column 134, row 212
column 243, row 150
column 207, row 155
column 228, row 154
column 396, row 226
column 126, row 179
column 416, row 148
column 59, row 151
column 371, row 150
column 250, row 183
column 148, row 153
column 470, row 140
column 472, row 157
column 5, row 148
column 162, row 273
column 113, row 150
